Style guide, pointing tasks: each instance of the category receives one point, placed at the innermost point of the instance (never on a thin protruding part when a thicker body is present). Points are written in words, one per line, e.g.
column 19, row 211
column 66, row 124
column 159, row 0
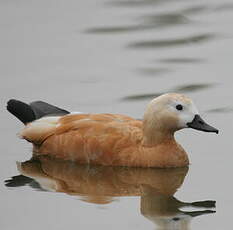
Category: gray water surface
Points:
column 115, row 56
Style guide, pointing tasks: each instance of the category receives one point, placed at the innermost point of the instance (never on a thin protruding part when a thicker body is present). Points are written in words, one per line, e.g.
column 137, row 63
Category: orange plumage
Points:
column 113, row 139
column 104, row 139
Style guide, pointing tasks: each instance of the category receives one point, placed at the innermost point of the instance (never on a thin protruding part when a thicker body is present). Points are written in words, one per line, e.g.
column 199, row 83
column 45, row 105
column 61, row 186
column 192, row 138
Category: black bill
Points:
column 199, row 124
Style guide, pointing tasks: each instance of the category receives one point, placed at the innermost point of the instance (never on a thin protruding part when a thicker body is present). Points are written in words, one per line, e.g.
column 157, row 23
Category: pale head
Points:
column 171, row 112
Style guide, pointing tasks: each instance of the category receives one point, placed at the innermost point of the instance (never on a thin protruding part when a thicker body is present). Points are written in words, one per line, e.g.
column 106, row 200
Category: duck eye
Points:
column 179, row 107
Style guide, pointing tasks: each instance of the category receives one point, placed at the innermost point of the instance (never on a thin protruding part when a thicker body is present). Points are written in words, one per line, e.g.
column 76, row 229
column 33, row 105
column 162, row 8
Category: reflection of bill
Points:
column 101, row 184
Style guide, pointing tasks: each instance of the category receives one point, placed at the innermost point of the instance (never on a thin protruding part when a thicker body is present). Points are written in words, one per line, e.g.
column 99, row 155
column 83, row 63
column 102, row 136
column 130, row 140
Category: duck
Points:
column 111, row 139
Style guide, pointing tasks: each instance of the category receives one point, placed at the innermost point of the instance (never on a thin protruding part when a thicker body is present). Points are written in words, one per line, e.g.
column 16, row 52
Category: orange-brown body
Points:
column 107, row 139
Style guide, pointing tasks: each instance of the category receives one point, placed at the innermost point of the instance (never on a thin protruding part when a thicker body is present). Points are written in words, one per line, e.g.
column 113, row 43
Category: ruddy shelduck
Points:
column 111, row 139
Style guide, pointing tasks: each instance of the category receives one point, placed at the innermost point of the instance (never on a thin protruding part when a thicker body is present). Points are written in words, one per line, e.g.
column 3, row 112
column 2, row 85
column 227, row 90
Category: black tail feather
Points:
column 35, row 110
column 17, row 181
column 42, row 109
column 21, row 110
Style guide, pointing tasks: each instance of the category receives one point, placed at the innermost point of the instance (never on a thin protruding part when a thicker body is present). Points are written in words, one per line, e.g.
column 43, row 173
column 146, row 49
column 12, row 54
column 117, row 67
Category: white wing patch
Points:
column 38, row 130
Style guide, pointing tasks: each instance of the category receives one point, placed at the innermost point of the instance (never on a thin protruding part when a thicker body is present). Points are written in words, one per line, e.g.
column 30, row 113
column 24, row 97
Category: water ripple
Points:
column 192, row 87
column 148, row 22
column 114, row 29
column 164, row 43
column 139, row 3
column 221, row 110
column 150, row 71
column 138, row 97
column 166, row 19
column 184, row 60
column 179, row 89
column 195, row 10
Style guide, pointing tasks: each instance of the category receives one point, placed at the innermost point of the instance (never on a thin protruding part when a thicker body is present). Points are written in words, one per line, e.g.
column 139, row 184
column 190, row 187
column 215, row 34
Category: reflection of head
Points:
column 176, row 222
column 165, row 211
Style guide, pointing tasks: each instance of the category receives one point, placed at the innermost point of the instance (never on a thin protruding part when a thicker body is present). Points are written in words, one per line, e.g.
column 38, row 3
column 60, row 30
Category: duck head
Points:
column 171, row 112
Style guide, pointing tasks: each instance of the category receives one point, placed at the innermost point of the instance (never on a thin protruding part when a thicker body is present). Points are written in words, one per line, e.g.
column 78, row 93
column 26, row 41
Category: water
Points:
column 114, row 56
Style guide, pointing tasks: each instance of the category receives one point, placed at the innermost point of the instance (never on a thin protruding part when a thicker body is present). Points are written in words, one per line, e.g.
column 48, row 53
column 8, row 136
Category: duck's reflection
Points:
column 100, row 185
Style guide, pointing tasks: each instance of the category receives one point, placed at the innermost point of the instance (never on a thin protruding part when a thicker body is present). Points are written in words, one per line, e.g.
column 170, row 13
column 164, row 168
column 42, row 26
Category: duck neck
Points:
column 155, row 134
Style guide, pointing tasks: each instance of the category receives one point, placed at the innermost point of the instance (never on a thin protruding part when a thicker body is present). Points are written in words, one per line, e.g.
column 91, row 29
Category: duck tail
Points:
column 21, row 110
column 27, row 113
